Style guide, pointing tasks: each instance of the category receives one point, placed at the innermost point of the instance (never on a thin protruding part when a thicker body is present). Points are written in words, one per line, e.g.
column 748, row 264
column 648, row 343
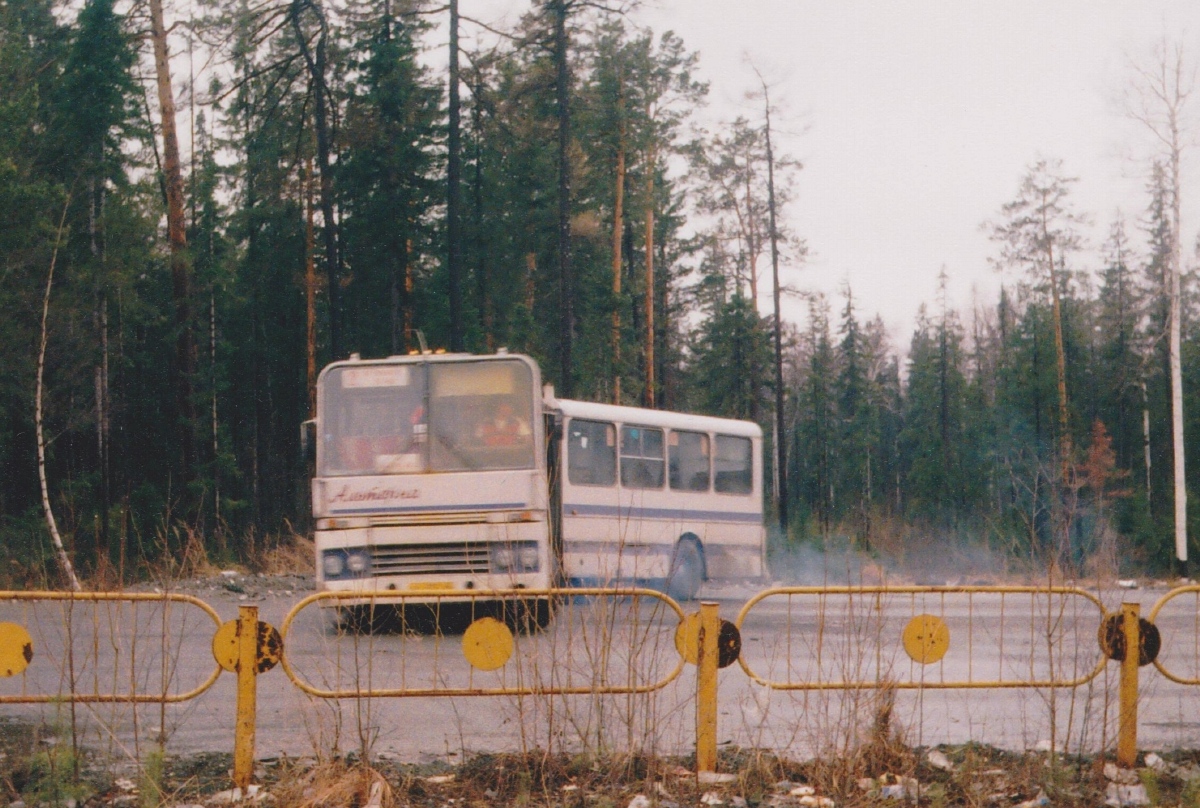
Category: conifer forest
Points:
column 203, row 204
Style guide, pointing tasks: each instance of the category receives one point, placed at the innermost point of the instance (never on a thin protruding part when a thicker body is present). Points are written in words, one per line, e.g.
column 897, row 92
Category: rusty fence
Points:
column 896, row 637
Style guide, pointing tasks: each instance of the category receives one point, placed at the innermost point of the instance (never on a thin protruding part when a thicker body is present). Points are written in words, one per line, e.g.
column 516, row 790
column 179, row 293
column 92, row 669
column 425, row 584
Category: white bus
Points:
column 447, row 473
column 657, row 498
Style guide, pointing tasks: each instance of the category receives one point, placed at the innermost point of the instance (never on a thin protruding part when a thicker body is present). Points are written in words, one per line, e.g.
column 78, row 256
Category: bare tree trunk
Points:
column 1181, row 548
column 1175, row 153
column 310, row 294
column 530, row 280
column 650, row 392
column 566, row 285
column 752, row 240
column 1160, row 93
column 410, row 315
column 64, row 561
column 1060, row 517
column 396, row 290
column 483, row 276
column 1146, row 439
column 177, row 237
column 100, row 316
column 214, row 424
column 1060, row 356
column 617, row 235
column 663, row 333
column 316, row 71
column 453, row 173
column 781, row 485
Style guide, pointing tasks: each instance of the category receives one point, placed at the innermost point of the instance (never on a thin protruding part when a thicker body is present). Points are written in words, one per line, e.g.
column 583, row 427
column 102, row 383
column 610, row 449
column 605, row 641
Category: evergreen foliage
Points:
column 317, row 172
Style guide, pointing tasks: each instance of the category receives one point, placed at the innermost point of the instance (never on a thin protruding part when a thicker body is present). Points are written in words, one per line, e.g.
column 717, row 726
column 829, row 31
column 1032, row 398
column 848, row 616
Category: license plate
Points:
column 430, row 586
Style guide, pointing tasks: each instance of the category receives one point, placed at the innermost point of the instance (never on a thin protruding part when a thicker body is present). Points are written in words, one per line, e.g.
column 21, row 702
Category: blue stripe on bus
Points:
column 482, row 506
column 596, row 582
column 660, row 513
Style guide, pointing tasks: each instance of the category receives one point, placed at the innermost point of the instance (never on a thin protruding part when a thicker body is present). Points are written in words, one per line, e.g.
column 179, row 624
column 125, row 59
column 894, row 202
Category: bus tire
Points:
column 361, row 619
column 687, row 570
column 528, row 616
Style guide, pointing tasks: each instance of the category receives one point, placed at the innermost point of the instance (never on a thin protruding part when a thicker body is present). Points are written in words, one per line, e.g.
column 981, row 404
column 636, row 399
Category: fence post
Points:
column 247, row 695
column 1128, row 687
column 706, row 687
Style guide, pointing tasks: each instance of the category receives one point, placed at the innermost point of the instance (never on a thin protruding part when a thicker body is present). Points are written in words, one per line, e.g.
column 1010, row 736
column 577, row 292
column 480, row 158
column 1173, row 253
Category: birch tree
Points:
column 60, row 552
column 1157, row 99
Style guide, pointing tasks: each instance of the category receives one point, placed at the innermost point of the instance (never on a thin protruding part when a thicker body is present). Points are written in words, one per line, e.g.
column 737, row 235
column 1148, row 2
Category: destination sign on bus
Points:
column 375, row 376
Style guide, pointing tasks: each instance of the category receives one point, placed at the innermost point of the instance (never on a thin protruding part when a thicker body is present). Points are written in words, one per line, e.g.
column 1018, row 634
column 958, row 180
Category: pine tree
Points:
column 388, row 190
column 941, row 481
column 1119, row 364
column 817, row 430
column 97, row 113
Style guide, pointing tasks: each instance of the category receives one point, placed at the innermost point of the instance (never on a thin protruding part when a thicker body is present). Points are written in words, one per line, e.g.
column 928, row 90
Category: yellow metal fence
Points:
column 940, row 630
column 901, row 637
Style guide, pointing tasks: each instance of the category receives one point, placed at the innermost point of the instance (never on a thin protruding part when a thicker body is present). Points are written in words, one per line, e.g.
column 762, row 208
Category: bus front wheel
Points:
column 687, row 571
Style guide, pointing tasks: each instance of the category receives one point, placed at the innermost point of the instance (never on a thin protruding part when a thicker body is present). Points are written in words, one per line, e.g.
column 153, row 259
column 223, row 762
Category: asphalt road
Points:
column 830, row 640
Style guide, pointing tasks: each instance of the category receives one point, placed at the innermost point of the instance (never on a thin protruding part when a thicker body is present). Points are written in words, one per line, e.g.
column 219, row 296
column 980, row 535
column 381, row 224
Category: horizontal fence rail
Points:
column 594, row 641
column 99, row 647
column 913, row 637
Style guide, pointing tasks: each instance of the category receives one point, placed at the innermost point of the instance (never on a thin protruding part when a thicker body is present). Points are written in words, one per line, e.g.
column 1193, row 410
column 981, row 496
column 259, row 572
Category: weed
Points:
column 150, row 783
column 1190, row 796
column 49, row 776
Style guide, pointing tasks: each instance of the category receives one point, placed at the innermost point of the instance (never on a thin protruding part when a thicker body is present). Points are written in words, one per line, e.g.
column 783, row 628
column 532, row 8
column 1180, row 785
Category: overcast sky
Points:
column 915, row 122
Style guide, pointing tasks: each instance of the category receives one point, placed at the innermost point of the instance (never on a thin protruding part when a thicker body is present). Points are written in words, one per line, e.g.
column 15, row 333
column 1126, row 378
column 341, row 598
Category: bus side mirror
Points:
column 308, row 441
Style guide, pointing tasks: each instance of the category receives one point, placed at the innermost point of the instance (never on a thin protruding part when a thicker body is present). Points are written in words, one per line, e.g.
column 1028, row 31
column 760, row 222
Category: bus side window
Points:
column 641, row 457
column 591, row 453
column 688, row 461
column 734, row 465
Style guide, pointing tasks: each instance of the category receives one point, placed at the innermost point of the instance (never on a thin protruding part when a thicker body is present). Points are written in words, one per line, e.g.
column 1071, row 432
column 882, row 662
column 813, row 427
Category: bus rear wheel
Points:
column 687, row 571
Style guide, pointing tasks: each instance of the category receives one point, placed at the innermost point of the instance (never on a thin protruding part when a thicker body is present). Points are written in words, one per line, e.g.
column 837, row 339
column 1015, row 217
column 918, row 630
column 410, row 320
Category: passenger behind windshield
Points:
column 503, row 428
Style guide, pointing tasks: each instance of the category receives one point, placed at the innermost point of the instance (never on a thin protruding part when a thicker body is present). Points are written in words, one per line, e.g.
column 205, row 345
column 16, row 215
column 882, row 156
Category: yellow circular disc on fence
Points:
column 926, row 639
column 687, row 638
column 687, row 641
column 225, row 646
column 487, row 644
column 268, row 646
column 16, row 649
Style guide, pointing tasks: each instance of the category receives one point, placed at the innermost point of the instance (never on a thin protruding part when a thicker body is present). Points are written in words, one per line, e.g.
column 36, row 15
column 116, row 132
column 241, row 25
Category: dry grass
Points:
column 979, row 777
column 336, row 784
column 291, row 553
column 185, row 556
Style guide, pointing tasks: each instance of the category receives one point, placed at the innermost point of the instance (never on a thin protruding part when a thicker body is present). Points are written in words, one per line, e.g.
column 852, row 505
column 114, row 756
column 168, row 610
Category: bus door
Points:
column 554, row 500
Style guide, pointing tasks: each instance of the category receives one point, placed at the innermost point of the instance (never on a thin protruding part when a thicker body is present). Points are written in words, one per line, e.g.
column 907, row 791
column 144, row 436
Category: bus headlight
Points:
column 358, row 562
column 521, row 556
column 502, row 558
column 333, row 564
column 527, row 557
column 348, row 563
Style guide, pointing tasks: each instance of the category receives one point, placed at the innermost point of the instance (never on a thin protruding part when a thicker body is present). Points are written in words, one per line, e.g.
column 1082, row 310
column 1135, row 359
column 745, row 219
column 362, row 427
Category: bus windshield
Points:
column 415, row 418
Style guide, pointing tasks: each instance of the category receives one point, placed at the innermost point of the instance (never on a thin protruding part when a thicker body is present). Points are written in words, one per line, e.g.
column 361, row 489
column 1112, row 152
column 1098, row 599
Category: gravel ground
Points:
column 235, row 586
